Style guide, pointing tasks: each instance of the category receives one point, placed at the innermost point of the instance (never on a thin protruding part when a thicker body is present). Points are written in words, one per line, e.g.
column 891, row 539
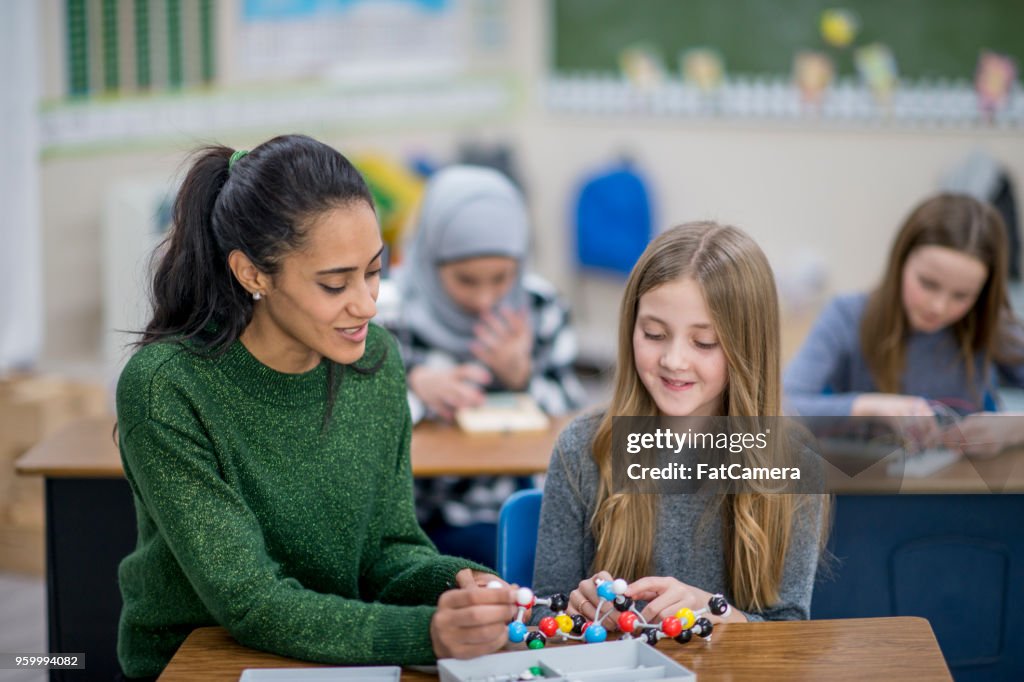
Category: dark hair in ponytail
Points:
column 260, row 206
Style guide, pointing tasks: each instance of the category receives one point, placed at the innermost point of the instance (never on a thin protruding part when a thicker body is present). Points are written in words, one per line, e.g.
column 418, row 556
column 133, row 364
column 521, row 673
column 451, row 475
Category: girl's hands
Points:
column 445, row 390
column 665, row 596
column 583, row 600
column 471, row 620
column 923, row 432
column 984, row 434
column 504, row 342
column 890, row 405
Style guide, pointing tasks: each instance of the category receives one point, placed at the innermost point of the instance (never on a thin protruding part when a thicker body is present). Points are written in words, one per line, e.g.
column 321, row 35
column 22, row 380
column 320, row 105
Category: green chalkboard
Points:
column 930, row 38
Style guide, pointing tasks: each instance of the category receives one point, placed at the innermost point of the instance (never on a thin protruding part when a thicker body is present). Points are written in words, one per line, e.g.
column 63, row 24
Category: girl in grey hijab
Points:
column 468, row 213
column 463, row 291
column 472, row 321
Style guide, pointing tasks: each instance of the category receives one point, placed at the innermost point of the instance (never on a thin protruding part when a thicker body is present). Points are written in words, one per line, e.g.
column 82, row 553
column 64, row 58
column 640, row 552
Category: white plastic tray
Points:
column 622, row 661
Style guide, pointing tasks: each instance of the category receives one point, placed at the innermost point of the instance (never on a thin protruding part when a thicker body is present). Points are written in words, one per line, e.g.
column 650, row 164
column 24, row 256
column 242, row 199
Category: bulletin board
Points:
column 931, row 39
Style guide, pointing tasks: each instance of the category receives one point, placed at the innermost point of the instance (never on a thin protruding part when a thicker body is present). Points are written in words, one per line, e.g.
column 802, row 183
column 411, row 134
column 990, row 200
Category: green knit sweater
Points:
column 299, row 539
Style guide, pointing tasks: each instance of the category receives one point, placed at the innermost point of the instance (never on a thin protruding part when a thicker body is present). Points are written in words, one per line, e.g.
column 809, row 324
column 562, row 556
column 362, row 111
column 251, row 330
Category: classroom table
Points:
column 836, row 650
column 948, row 547
column 86, row 449
column 90, row 516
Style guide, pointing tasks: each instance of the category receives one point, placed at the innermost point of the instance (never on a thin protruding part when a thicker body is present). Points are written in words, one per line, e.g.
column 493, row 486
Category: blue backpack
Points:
column 613, row 220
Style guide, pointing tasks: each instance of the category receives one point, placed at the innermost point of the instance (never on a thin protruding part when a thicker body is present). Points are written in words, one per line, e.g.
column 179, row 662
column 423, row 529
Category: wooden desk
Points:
column 966, row 476
column 90, row 527
column 855, row 649
column 85, row 449
column 90, row 516
column 950, row 547
column 443, row 450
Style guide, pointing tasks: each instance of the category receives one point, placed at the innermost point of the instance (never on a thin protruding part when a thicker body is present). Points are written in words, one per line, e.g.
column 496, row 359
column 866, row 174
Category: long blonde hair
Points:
column 953, row 221
column 739, row 291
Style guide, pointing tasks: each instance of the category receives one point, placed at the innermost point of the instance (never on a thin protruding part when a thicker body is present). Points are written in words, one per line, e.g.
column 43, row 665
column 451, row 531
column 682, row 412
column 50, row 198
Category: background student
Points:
column 938, row 329
column 698, row 336
column 472, row 320
column 264, row 431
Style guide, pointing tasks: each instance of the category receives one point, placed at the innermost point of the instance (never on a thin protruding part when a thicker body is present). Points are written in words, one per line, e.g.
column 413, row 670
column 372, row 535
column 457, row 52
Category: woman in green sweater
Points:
column 264, row 431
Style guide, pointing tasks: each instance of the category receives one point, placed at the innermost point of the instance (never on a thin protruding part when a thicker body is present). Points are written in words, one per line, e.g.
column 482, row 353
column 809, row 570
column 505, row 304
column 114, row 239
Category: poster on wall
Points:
column 351, row 41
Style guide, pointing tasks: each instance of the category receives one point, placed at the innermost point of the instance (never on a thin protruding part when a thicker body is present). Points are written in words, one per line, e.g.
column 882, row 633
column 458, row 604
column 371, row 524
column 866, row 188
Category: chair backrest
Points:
column 517, row 536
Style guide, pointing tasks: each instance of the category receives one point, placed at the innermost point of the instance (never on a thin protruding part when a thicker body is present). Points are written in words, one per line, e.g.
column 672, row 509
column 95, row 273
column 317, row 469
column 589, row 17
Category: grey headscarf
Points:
column 467, row 212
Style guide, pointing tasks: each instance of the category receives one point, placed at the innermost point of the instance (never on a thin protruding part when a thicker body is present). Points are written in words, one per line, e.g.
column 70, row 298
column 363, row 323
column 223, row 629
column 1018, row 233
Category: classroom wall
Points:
column 830, row 196
column 21, row 319
column 817, row 193
column 75, row 184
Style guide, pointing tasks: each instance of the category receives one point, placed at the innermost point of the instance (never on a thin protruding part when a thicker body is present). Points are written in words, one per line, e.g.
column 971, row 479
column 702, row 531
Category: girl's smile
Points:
column 677, row 353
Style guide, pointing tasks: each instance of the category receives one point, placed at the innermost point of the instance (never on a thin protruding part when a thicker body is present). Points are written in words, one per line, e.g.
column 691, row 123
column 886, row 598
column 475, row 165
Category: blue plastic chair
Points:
column 517, row 536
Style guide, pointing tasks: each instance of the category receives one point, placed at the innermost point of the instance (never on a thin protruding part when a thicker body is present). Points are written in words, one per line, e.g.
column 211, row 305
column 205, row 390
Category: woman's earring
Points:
column 256, row 296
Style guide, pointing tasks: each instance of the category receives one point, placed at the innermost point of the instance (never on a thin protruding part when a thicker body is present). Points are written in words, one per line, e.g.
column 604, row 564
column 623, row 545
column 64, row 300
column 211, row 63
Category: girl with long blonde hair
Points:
column 698, row 336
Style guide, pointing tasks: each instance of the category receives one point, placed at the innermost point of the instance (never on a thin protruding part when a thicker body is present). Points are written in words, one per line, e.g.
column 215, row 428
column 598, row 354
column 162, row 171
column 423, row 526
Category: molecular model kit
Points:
column 611, row 593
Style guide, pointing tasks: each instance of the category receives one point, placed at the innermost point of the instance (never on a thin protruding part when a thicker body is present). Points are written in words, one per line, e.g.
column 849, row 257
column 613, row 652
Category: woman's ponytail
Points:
column 194, row 294
column 258, row 203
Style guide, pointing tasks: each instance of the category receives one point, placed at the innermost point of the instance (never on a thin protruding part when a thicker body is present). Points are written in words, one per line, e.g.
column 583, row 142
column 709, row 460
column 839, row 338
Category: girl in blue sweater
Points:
column 937, row 331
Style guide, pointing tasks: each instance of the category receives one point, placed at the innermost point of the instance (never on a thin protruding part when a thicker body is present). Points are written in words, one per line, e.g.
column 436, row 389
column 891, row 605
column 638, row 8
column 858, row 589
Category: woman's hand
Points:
column 985, row 434
column 665, row 596
column 486, row 579
column 583, row 600
column 504, row 342
column 471, row 620
column 445, row 390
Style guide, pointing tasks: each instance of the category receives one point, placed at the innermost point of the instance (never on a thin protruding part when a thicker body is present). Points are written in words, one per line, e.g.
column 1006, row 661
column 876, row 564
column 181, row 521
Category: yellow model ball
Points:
column 686, row 617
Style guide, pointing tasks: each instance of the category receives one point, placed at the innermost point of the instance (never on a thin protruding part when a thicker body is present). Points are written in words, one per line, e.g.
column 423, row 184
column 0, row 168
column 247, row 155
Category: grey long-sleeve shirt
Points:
column 687, row 545
column 829, row 371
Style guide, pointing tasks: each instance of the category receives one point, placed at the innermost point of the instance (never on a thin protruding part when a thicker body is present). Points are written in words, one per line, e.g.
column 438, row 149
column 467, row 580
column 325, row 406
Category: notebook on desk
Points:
column 924, row 463
column 503, row 412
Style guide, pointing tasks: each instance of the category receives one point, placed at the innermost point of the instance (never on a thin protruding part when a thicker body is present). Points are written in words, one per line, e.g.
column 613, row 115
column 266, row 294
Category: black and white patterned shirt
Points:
column 553, row 384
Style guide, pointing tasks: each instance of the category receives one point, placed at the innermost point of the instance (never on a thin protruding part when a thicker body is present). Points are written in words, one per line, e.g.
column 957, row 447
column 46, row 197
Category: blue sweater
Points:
column 830, row 371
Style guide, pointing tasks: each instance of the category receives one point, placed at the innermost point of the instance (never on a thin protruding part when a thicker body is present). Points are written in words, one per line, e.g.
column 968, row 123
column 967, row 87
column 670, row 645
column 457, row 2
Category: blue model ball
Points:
column 606, row 591
column 516, row 631
column 595, row 633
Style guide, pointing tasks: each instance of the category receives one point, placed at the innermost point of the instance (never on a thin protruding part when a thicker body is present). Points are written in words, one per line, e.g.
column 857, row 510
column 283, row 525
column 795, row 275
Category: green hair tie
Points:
column 235, row 157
